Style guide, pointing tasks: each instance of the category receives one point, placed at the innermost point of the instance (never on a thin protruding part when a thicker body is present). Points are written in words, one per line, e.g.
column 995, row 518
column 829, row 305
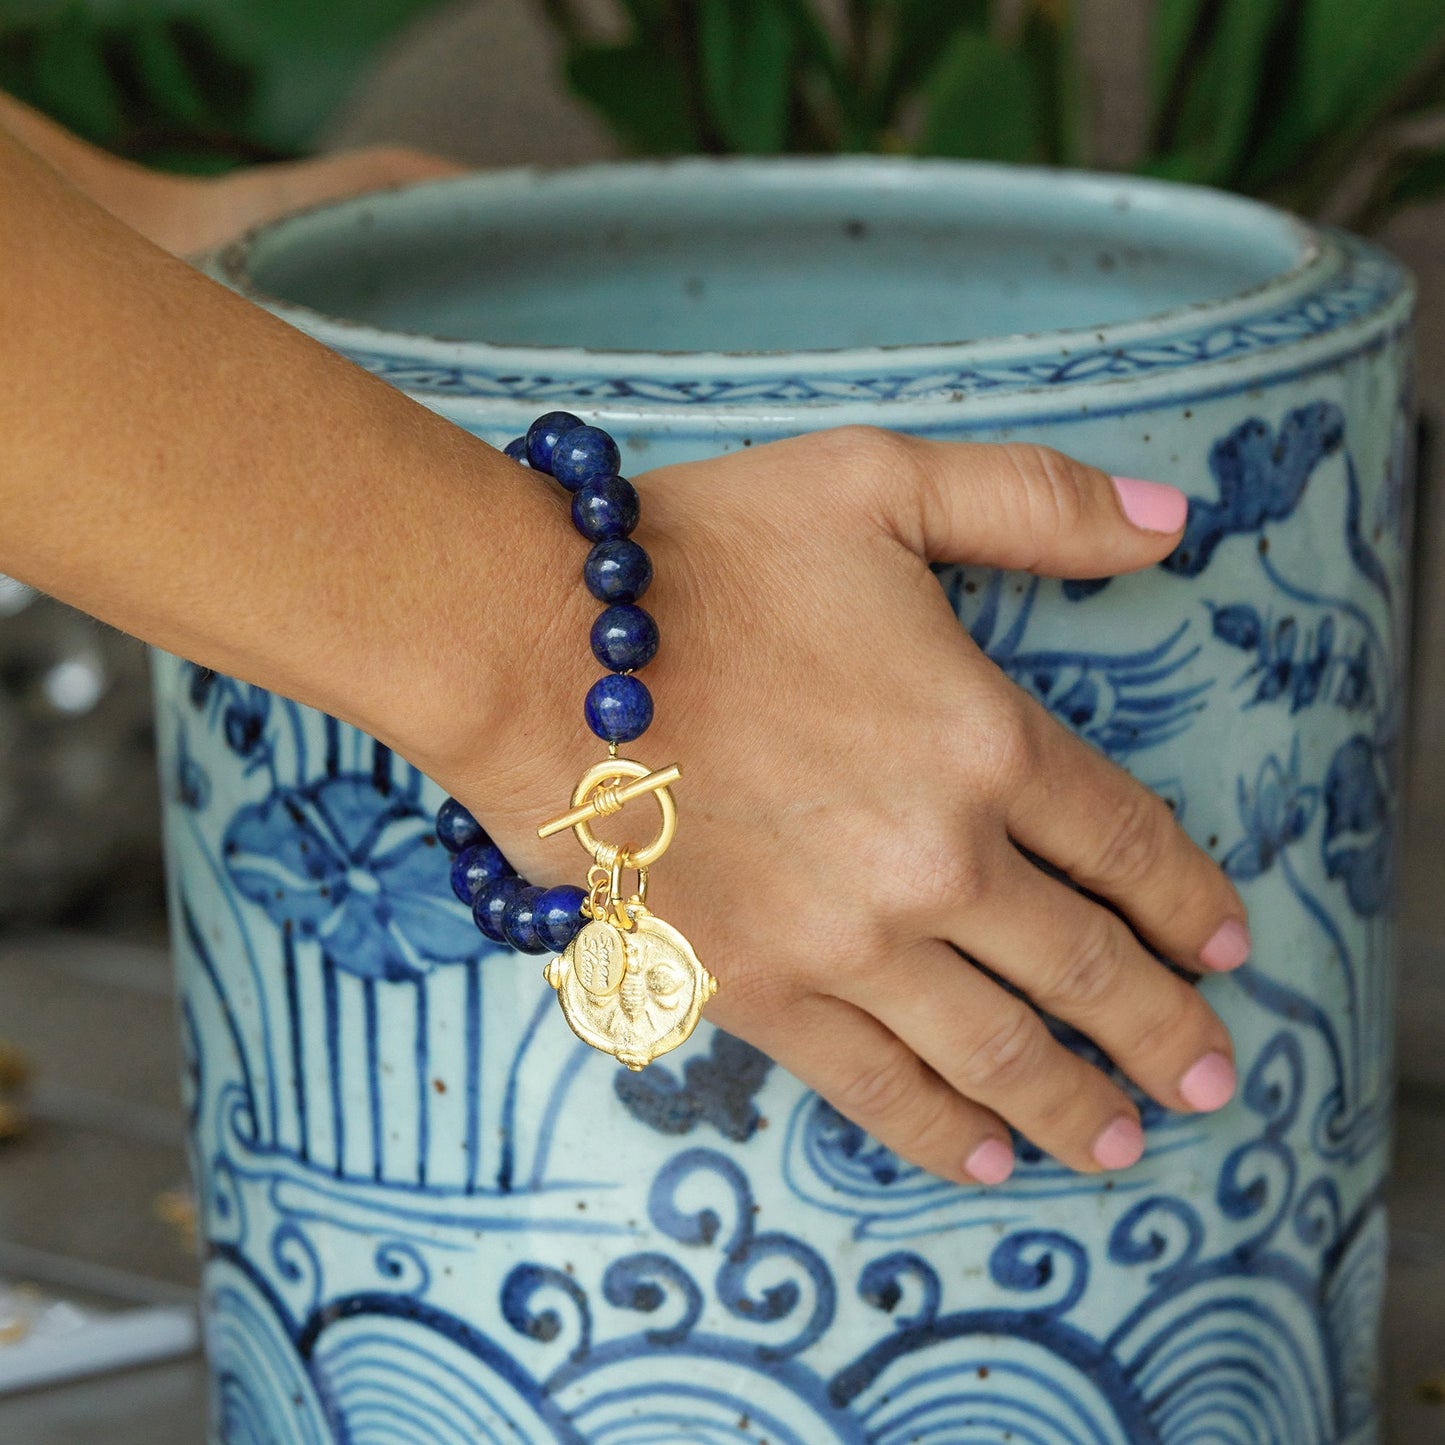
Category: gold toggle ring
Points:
column 609, row 799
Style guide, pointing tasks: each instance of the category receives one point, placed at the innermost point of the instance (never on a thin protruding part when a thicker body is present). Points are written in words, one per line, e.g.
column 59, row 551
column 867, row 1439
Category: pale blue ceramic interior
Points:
column 779, row 256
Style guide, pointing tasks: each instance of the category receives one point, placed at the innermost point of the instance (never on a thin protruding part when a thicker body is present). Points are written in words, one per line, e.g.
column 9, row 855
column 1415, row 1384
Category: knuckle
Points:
column 1005, row 1056
column 887, row 1089
column 1173, row 1028
column 1050, row 495
column 1090, row 974
column 1008, row 749
column 942, row 874
column 869, row 449
column 1133, row 839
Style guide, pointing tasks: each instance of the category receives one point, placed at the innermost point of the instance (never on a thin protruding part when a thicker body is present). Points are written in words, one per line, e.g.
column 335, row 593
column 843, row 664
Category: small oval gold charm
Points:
column 599, row 957
column 647, row 1007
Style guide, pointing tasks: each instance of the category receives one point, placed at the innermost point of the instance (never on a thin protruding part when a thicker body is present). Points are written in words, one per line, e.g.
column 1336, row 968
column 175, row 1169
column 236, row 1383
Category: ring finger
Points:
column 1078, row 961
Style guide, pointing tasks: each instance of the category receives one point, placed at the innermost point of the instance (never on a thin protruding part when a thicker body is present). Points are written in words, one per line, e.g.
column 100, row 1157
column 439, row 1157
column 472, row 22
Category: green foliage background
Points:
column 1275, row 98
column 197, row 85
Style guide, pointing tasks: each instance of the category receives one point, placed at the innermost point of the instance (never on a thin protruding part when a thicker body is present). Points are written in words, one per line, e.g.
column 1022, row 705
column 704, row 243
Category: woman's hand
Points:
column 860, row 783
column 189, row 215
column 203, row 213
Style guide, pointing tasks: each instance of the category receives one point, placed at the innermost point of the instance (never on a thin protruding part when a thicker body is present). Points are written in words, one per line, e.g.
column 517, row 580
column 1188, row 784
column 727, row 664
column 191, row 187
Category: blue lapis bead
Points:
column 544, row 434
column 557, row 916
column 605, row 507
column 475, row 866
column 456, row 828
column 618, row 707
column 617, row 570
column 517, row 450
column 519, row 925
column 624, row 637
column 583, row 453
column 490, row 904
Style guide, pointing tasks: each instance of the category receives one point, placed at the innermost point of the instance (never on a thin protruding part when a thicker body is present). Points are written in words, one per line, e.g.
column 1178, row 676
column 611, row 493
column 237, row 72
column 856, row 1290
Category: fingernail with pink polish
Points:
column 1208, row 1084
column 992, row 1162
column 1120, row 1145
column 1152, row 506
column 1227, row 948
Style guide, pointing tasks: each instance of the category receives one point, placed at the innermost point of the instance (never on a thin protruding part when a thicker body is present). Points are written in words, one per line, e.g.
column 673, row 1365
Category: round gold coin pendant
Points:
column 647, row 1009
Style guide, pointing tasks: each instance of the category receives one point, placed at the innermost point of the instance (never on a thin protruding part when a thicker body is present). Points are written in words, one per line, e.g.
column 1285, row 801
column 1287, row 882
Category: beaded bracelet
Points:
column 629, row 983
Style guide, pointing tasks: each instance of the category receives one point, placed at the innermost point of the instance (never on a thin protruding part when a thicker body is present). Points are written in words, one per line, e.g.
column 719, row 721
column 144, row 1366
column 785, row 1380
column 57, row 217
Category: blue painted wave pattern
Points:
column 378, row 1164
column 708, row 1339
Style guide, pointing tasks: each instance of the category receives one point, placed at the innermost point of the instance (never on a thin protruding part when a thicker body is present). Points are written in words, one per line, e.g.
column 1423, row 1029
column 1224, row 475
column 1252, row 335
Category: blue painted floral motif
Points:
column 1297, row 665
column 1261, row 475
column 1359, row 837
column 336, row 862
column 1275, row 813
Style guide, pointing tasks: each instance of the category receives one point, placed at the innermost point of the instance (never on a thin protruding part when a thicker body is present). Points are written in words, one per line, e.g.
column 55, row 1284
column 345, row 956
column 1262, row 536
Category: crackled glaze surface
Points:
column 430, row 1213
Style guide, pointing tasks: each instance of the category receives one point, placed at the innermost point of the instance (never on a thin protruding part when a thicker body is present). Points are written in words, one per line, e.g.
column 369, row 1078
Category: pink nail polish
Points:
column 1120, row 1145
column 992, row 1162
column 1152, row 506
column 1228, row 948
column 1208, row 1084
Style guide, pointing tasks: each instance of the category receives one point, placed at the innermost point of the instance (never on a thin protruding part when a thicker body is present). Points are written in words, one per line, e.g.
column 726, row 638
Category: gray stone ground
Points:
column 475, row 82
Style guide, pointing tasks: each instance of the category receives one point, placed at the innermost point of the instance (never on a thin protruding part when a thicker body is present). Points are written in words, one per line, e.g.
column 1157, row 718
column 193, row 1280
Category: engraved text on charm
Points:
column 651, row 1007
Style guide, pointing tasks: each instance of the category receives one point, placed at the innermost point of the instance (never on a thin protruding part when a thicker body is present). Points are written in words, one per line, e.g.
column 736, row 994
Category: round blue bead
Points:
column 456, row 828
column 618, row 707
column 517, row 450
column 617, row 570
column 605, row 507
column 543, row 435
column 624, row 637
column 519, row 920
column 557, row 916
column 475, row 866
column 491, row 903
column 583, row 453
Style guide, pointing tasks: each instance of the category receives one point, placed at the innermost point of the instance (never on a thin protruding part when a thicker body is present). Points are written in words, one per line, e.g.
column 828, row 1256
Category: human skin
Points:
column 860, row 783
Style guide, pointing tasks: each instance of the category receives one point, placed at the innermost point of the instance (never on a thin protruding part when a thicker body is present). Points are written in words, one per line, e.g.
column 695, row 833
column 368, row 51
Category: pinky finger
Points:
column 871, row 1077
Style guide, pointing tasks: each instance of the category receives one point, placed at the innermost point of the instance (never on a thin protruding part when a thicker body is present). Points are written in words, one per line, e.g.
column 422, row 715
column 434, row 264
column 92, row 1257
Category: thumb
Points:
column 1030, row 508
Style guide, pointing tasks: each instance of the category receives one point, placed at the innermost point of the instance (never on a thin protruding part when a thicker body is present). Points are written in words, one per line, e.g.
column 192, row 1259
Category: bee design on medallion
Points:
column 633, row 993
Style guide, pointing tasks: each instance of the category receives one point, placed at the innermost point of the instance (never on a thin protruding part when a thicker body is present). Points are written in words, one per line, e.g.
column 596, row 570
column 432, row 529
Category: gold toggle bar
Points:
column 649, row 783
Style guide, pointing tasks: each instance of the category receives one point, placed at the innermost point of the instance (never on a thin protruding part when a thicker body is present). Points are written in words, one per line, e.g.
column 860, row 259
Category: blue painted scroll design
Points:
column 1365, row 282
column 1225, row 1336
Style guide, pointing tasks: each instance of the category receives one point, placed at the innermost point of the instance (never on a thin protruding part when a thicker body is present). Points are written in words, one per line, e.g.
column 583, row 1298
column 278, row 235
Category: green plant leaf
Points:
column 1351, row 65
column 920, row 32
column 1410, row 177
column 983, row 103
column 1423, row 180
column 305, row 54
column 1221, row 84
column 1048, row 46
column 1179, row 28
column 65, row 74
column 641, row 93
column 746, row 50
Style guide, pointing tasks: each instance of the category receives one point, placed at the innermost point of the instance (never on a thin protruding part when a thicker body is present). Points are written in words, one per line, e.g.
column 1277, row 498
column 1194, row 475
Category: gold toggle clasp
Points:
column 601, row 791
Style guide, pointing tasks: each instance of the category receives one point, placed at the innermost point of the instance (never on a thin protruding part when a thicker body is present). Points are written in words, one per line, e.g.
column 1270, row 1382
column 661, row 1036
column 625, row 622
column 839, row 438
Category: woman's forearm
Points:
column 184, row 466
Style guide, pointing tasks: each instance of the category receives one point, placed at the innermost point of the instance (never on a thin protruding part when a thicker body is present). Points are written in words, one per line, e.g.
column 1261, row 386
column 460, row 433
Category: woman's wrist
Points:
column 496, row 687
